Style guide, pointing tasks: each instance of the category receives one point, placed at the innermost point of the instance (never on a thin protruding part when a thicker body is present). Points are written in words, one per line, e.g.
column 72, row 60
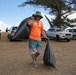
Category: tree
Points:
column 60, row 8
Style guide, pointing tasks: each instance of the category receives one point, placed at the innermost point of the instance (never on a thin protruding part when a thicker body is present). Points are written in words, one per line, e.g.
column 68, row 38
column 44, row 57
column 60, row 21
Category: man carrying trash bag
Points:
column 48, row 57
column 35, row 43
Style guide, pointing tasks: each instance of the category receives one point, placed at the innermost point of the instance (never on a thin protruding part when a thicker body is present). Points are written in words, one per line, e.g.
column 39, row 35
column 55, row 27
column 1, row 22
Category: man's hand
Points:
column 30, row 21
column 46, row 39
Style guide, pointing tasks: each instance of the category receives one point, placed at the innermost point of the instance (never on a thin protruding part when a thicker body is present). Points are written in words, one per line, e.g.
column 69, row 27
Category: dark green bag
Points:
column 23, row 30
column 48, row 57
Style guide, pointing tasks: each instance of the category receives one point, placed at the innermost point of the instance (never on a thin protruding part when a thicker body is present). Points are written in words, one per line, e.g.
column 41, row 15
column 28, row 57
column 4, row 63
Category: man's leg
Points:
column 36, row 55
column 34, row 60
column 33, row 50
column 38, row 51
column 33, row 57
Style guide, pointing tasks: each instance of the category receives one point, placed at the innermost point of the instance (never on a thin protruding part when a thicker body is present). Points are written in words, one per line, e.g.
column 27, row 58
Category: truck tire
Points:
column 68, row 40
column 58, row 38
column 74, row 37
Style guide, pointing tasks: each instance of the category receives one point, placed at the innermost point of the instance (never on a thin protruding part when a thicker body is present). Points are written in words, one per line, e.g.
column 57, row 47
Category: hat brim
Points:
column 37, row 15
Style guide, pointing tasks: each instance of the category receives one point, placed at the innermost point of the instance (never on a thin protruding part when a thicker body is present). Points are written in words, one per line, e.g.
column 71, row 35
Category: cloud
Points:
column 49, row 16
column 3, row 26
column 73, row 16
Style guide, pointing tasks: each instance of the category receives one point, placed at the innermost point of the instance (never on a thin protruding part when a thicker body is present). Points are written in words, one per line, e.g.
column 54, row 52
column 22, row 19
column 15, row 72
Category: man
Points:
column 35, row 42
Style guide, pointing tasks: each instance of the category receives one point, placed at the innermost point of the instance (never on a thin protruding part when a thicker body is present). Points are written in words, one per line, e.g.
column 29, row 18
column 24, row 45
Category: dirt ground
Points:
column 15, row 58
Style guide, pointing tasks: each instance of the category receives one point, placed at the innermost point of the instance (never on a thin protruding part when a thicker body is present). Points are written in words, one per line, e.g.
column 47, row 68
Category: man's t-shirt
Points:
column 36, row 29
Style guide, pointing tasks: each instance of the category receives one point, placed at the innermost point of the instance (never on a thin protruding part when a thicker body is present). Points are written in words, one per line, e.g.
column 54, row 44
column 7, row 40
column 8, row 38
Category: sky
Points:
column 12, row 15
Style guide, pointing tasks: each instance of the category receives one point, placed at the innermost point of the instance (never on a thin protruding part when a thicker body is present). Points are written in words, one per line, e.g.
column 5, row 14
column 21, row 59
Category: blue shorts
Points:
column 35, row 46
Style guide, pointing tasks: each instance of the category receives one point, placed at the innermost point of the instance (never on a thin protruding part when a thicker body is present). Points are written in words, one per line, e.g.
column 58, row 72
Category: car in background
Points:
column 59, row 34
column 11, row 32
column 73, row 31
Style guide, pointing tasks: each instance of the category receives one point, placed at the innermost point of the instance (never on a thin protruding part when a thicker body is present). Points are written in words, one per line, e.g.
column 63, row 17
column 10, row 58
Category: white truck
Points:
column 73, row 31
column 58, row 34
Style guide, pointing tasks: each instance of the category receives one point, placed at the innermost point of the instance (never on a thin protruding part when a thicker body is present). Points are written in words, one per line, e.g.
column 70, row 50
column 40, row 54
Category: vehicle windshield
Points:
column 51, row 29
column 14, row 28
column 58, row 30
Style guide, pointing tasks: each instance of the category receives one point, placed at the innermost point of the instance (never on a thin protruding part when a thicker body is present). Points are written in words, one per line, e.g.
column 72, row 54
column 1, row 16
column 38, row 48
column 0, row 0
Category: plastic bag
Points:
column 23, row 30
column 48, row 57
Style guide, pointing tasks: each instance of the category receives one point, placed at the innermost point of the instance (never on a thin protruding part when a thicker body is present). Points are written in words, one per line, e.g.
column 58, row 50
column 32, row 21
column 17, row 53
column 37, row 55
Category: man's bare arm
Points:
column 44, row 34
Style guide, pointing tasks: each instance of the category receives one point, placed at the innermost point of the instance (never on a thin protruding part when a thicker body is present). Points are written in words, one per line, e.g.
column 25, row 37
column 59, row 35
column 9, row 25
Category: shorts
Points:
column 35, row 46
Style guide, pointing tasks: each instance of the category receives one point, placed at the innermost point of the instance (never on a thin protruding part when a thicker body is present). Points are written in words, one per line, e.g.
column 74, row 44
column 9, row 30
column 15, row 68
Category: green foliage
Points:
column 57, row 7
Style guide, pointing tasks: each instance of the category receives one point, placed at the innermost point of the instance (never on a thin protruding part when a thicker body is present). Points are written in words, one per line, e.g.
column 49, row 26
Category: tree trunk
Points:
column 59, row 15
column 59, row 20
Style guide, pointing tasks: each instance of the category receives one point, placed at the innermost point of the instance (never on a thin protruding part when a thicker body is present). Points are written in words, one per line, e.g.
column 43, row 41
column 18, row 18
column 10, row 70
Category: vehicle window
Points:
column 70, row 30
column 14, row 28
column 51, row 30
column 58, row 30
column 74, row 30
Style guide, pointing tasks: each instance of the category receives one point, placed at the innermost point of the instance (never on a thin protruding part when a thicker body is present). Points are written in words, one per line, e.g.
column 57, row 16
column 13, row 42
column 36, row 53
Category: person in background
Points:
column 6, row 29
column 35, row 42
column 0, row 34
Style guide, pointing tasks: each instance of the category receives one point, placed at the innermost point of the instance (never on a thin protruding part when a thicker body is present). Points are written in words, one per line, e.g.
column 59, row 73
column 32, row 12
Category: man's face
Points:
column 38, row 17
